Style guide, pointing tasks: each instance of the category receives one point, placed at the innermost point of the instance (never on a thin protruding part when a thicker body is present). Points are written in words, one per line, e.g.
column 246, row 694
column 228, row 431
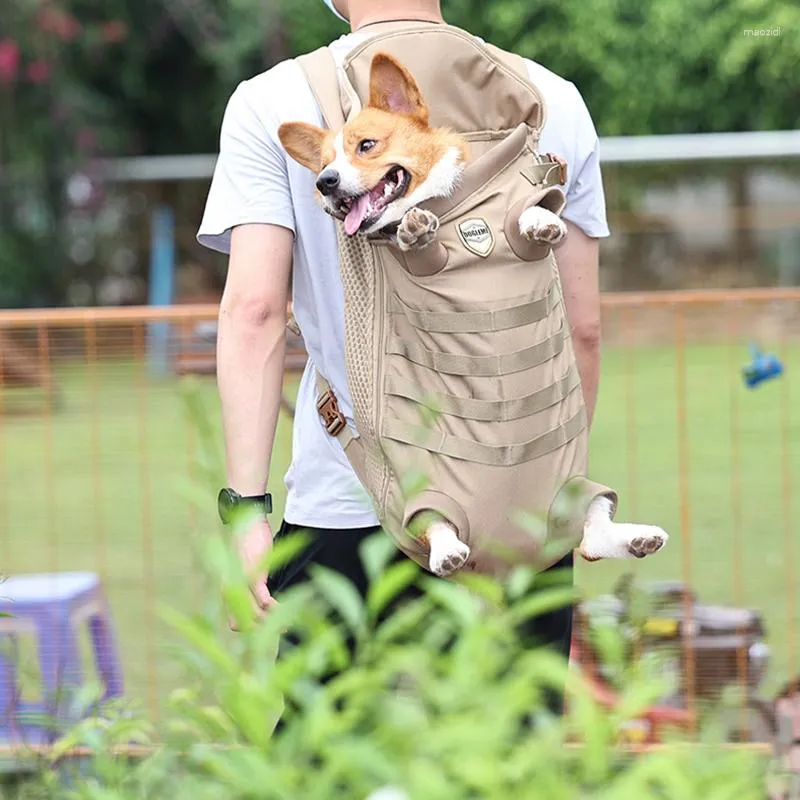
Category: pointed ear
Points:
column 393, row 88
column 303, row 142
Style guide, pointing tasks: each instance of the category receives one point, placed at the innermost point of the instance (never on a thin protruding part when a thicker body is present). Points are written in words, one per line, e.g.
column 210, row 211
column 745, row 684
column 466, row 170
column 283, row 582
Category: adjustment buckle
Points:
column 332, row 417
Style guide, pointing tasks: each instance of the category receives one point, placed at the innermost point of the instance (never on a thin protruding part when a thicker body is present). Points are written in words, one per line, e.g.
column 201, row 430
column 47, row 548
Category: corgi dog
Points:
column 375, row 172
column 372, row 175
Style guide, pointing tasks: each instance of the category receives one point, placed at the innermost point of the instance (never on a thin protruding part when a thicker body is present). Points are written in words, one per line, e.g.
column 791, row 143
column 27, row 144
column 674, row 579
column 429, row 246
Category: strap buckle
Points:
column 332, row 417
column 562, row 167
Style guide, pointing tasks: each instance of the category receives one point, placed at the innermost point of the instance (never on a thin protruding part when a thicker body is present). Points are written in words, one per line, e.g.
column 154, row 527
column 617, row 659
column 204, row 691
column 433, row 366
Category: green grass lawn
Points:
column 102, row 487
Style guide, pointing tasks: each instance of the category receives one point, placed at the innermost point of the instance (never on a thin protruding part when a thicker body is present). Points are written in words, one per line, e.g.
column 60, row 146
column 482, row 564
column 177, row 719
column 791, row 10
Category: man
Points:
column 261, row 210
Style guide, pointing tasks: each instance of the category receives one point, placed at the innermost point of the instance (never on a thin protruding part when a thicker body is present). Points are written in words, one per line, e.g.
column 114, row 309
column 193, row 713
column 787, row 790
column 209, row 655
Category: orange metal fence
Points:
column 97, row 448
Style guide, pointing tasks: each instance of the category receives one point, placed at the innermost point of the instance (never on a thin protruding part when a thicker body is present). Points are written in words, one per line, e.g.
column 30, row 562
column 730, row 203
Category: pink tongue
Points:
column 355, row 216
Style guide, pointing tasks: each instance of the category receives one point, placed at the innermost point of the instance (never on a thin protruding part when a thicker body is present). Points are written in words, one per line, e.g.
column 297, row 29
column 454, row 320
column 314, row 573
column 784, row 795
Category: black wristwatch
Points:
column 228, row 501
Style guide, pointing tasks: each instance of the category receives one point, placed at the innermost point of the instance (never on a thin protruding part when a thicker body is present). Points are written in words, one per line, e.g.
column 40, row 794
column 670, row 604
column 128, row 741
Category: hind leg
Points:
column 604, row 538
column 447, row 552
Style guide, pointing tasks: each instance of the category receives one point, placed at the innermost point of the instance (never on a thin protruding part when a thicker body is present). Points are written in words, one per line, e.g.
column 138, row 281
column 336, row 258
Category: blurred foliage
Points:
column 421, row 690
column 152, row 76
column 658, row 68
column 435, row 701
column 81, row 80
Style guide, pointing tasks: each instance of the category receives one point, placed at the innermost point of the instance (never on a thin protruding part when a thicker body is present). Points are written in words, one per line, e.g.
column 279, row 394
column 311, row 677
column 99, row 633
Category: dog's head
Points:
column 385, row 160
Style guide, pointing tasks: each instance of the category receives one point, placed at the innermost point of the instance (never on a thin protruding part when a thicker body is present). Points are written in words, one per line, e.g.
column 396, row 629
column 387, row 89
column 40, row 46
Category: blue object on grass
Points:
column 762, row 367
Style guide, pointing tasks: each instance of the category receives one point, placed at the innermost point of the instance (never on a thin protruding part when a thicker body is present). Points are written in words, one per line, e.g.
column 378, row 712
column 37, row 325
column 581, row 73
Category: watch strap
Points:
column 229, row 500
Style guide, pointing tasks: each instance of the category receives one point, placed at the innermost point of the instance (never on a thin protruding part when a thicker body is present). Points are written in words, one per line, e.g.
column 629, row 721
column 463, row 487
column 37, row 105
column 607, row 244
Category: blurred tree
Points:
column 80, row 80
column 664, row 67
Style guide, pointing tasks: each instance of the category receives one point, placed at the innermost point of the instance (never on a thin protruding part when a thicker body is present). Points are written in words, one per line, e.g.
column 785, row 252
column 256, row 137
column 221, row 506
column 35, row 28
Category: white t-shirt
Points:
column 256, row 182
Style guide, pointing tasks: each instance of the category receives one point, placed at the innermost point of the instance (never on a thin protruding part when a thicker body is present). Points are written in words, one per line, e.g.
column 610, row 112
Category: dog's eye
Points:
column 366, row 145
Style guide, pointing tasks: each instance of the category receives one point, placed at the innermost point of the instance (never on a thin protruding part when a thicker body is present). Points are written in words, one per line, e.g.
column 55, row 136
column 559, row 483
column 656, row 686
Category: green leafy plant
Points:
column 435, row 699
column 397, row 696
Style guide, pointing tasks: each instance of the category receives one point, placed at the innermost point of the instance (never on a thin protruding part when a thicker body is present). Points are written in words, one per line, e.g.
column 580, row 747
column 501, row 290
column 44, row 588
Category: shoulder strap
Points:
column 322, row 75
column 516, row 63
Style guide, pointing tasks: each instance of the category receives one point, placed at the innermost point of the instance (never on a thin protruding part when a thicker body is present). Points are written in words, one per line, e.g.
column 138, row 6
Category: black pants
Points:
column 338, row 550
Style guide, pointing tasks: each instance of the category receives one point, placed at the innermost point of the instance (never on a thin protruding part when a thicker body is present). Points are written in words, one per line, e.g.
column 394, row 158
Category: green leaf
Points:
column 287, row 548
column 481, row 586
column 390, row 585
column 519, row 582
column 376, row 552
column 542, row 601
column 201, row 637
column 454, row 598
column 342, row 596
column 410, row 617
column 238, row 602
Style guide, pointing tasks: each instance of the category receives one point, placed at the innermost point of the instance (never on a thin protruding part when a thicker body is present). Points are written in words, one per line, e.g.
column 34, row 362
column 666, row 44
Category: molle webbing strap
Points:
column 480, row 366
column 486, row 410
column 494, row 455
column 479, row 321
column 322, row 75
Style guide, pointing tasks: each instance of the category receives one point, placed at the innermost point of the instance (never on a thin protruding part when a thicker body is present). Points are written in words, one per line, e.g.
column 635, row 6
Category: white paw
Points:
column 537, row 224
column 622, row 540
column 603, row 538
column 644, row 540
column 448, row 553
column 417, row 229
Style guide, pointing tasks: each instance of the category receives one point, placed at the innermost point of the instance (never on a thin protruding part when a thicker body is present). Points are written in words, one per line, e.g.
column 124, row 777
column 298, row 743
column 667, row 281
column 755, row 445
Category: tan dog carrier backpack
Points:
column 471, row 327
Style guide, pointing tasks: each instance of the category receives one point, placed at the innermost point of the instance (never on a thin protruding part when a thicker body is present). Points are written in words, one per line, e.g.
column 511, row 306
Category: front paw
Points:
column 417, row 229
column 541, row 226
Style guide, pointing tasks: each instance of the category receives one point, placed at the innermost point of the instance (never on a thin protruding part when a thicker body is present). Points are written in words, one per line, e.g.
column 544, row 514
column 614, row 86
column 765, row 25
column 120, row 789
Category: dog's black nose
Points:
column 328, row 181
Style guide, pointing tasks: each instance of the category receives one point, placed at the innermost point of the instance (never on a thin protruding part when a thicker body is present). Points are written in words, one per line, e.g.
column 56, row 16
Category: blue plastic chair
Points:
column 52, row 608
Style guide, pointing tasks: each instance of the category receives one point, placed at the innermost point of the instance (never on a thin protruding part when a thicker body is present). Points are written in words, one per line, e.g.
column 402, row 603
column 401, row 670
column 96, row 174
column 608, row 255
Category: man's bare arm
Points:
column 578, row 264
column 251, row 346
column 251, row 349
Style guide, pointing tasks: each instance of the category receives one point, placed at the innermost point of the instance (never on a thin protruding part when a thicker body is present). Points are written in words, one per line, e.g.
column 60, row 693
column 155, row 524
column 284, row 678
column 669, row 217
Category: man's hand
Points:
column 254, row 544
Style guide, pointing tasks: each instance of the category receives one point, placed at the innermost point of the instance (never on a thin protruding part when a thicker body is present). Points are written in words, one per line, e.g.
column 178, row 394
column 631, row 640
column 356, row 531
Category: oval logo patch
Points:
column 477, row 236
